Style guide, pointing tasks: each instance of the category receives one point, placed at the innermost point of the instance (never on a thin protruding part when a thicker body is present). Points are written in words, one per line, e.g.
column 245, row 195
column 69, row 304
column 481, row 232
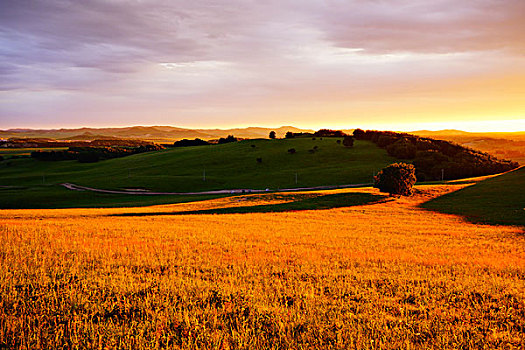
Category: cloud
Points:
column 239, row 55
column 435, row 26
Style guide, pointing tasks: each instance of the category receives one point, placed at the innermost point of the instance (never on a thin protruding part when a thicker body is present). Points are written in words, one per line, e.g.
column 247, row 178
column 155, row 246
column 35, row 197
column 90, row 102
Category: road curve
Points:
column 73, row 187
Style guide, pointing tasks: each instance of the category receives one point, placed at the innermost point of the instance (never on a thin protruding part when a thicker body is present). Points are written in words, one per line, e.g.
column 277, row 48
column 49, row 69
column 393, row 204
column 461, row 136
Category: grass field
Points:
column 381, row 274
column 496, row 200
column 29, row 183
column 8, row 152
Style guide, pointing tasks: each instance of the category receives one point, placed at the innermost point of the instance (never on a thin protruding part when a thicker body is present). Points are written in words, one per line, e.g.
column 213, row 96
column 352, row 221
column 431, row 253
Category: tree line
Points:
column 93, row 154
column 436, row 159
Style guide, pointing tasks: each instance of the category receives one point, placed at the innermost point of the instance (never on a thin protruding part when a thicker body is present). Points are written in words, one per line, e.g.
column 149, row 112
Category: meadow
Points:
column 9, row 152
column 29, row 183
column 497, row 200
column 378, row 273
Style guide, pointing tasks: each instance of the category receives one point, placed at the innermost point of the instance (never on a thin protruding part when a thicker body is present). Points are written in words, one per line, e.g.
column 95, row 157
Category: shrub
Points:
column 396, row 179
column 1, row 158
column 348, row 141
column 292, row 151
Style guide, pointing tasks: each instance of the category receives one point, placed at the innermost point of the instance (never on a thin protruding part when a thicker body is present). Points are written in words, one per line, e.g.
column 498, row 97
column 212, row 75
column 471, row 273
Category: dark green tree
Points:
column 272, row 135
column 396, row 179
column 358, row 133
column 348, row 141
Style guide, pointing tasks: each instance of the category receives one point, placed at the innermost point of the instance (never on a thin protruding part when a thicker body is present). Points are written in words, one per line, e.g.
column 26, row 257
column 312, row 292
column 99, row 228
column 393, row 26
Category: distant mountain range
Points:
column 153, row 133
column 508, row 145
column 170, row 133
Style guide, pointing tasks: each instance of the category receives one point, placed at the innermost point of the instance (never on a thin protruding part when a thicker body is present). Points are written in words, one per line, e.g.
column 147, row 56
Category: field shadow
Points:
column 299, row 203
column 479, row 206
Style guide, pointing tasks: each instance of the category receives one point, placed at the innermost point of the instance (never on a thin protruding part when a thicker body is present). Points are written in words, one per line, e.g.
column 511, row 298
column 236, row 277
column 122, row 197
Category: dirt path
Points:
column 74, row 187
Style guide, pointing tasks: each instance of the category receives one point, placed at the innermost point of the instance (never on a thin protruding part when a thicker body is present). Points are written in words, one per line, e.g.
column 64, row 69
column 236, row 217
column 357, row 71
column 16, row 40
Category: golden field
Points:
column 382, row 276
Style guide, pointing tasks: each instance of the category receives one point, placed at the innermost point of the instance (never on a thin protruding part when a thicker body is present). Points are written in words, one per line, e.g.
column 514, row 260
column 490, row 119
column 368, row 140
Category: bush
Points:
column 292, row 151
column 259, row 160
column 396, row 179
column 1, row 158
column 348, row 141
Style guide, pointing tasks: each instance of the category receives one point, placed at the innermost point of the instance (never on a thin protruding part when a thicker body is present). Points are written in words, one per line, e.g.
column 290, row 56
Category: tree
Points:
column 329, row 133
column 397, row 178
column 228, row 139
column 358, row 133
column 348, row 141
column 402, row 149
column 187, row 143
column 289, row 135
column 272, row 135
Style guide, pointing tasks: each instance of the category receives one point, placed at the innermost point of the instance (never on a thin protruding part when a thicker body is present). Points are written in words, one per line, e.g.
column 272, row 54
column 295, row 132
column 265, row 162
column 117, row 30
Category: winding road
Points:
column 74, row 187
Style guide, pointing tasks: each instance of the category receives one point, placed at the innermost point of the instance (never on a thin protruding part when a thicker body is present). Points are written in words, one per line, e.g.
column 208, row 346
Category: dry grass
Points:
column 382, row 276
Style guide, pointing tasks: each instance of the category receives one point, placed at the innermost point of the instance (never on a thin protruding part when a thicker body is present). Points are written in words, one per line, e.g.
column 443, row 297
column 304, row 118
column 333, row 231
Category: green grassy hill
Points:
column 497, row 200
column 228, row 166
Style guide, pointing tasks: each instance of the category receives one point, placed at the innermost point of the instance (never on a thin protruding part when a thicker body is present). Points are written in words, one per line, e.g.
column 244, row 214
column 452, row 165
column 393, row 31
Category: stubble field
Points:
column 386, row 275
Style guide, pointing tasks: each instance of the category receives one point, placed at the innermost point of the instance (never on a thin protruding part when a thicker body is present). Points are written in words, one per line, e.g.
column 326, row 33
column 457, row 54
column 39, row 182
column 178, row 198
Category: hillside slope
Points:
column 154, row 133
column 497, row 200
column 193, row 169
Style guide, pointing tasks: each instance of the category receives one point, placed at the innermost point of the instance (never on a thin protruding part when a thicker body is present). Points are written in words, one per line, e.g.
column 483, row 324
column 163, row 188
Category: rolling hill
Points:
column 497, row 200
column 152, row 133
column 32, row 183
column 508, row 145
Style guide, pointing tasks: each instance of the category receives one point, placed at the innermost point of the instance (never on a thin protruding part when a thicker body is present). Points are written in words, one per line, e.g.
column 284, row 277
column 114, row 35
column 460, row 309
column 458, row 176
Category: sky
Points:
column 392, row 64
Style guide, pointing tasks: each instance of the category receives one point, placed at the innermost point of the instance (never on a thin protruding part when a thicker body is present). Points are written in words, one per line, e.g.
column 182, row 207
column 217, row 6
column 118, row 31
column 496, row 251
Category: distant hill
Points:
column 508, row 145
column 87, row 136
column 152, row 133
column 516, row 136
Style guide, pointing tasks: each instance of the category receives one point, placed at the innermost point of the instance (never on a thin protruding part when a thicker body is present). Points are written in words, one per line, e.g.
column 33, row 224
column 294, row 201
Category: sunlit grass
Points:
column 387, row 275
